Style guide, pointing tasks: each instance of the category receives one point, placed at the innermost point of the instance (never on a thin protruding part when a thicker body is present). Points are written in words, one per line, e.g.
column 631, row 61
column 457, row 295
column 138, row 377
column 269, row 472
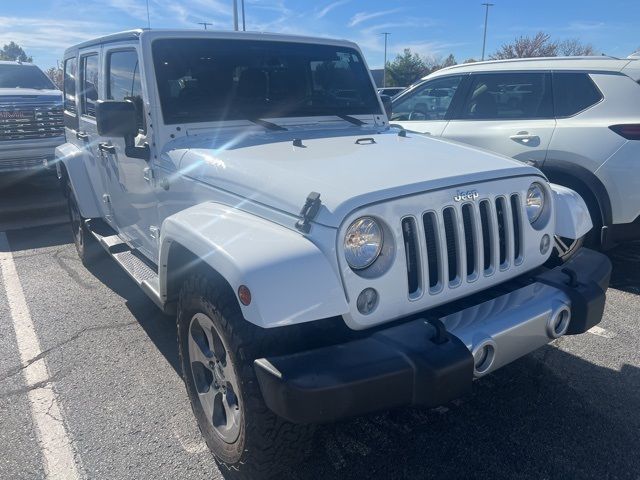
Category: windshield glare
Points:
column 209, row 80
column 24, row 76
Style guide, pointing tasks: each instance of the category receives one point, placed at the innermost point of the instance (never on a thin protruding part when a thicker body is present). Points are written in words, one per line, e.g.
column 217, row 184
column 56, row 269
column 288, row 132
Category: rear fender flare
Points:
column 73, row 160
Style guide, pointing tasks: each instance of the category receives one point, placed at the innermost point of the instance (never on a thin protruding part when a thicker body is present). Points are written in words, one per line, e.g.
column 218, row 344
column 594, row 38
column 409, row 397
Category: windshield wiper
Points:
column 267, row 125
column 350, row 119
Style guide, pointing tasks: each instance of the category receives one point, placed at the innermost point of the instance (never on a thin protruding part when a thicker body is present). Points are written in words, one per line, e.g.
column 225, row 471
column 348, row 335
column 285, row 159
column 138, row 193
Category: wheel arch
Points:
column 586, row 184
column 291, row 281
column 71, row 160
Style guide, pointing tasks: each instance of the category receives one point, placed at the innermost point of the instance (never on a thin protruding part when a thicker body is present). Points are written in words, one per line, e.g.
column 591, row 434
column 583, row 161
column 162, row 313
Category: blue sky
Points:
column 433, row 28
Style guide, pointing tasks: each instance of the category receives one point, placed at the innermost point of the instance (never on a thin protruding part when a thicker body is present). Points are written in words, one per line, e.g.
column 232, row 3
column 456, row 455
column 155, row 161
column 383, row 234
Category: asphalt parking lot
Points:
column 570, row 410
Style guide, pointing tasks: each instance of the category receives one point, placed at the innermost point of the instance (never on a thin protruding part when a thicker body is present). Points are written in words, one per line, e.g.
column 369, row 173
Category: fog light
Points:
column 545, row 243
column 483, row 357
column 367, row 301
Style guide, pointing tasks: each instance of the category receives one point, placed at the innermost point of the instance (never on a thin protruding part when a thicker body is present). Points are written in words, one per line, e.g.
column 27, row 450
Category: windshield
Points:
column 23, row 76
column 210, row 79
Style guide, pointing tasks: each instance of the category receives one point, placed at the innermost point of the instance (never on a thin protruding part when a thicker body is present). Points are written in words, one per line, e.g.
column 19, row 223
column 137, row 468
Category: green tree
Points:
column 450, row 61
column 405, row 69
column 13, row 51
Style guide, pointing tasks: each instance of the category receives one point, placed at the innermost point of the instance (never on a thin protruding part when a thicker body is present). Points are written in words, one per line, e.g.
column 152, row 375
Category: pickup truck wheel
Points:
column 217, row 347
column 86, row 245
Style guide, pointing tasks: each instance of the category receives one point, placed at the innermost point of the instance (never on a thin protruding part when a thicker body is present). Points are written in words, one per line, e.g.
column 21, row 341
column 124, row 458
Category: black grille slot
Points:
column 409, row 233
column 515, row 212
column 450, row 235
column 25, row 122
column 469, row 240
column 486, row 233
column 502, row 232
column 431, row 238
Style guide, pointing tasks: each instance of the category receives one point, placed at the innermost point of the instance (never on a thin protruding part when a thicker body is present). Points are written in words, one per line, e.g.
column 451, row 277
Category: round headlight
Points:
column 535, row 202
column 362, row 243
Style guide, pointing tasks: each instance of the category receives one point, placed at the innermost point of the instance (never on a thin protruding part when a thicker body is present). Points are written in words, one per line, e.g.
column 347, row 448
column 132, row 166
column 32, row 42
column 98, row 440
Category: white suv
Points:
column 577, row 119
column 319, row 264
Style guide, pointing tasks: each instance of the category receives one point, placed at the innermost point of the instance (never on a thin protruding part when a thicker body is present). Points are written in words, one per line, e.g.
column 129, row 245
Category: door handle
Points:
column 524, row 137
column 105, row 147
column 82, row 136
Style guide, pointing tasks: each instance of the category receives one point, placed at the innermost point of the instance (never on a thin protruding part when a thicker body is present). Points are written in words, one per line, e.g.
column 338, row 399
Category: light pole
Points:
column 235, row 15
column 244, row 26
column 204, row 24
column 486, row 19
column 384, row 70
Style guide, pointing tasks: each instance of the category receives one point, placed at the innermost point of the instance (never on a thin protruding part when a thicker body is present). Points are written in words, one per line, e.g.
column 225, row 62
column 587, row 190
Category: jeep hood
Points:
column 348, row 170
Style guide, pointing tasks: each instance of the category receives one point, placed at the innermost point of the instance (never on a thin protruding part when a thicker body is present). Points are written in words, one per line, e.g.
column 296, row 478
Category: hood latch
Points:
column 308, row 212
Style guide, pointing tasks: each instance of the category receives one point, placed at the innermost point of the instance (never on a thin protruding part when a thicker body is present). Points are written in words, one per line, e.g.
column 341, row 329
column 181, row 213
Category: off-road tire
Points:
column 86, row 244
column 267, row 445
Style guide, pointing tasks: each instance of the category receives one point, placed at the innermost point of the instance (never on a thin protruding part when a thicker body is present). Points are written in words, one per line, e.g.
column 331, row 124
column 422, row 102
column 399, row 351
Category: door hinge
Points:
column 154, row 231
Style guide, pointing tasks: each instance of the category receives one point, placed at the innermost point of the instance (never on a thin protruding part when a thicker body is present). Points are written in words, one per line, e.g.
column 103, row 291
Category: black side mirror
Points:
column 386, row 103
column 116, row 118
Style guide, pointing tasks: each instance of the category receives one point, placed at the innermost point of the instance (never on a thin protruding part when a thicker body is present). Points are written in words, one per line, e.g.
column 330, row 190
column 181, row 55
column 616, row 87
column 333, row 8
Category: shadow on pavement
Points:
column 626, row 267
column 526, row 421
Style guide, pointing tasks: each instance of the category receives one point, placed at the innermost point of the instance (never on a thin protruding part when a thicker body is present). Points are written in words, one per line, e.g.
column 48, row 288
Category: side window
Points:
column 70, row 66
column 504, row 96
column 429, row 101
column 89, row 81
column 574, row 92
column 123, row 80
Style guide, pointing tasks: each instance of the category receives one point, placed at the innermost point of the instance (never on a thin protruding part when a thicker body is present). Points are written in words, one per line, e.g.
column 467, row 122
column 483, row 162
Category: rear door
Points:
column 426, row 107
column 86, row 134
column 507, row 112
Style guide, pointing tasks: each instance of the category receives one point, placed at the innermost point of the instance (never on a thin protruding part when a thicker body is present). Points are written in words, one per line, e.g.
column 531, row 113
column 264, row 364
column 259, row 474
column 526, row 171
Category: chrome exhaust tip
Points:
column 483, row 356
column 558, row 323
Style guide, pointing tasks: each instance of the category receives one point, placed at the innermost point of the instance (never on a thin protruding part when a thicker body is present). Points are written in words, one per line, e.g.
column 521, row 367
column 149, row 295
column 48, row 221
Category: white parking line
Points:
column 54, row 442
column 601, row 332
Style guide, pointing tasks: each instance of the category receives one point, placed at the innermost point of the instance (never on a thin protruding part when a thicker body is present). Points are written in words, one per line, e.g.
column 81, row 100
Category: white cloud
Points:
column 330, row 7
column 364, row 16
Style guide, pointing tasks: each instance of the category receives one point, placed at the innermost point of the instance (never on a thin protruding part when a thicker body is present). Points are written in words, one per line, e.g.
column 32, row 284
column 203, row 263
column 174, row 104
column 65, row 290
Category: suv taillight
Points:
column 629, row 131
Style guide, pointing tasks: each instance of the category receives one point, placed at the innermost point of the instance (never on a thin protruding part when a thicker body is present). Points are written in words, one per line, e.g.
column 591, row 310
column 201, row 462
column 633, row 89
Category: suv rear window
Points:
column 211, row 79
column 24, row 76
column 504, row 96
column 574, row 92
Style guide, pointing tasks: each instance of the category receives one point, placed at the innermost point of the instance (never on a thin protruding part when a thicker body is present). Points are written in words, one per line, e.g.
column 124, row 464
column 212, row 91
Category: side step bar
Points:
column 141, row 271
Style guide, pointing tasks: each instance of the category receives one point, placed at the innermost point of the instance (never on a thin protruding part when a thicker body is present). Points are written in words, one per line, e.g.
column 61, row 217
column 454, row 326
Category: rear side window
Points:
column 504, row 96
column 573, row 93
column 124, row 80
column 89, row 81
column 70, row 71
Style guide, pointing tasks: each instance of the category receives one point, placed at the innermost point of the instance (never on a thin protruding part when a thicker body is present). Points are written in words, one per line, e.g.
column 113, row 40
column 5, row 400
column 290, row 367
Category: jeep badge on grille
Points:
column 468, row 195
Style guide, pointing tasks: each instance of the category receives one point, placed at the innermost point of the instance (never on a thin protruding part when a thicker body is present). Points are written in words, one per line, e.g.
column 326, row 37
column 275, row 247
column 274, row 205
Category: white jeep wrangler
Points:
column 321, row 264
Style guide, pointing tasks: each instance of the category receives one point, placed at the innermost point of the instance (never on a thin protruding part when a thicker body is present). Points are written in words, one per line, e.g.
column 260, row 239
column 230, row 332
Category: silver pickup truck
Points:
column 30, row 117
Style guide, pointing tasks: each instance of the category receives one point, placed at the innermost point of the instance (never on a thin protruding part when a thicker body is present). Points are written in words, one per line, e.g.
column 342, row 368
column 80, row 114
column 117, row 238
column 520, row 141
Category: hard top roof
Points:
column 192, row 33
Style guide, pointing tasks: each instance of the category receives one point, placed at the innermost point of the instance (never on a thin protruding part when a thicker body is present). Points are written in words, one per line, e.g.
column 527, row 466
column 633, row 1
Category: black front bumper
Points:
column 411, row 363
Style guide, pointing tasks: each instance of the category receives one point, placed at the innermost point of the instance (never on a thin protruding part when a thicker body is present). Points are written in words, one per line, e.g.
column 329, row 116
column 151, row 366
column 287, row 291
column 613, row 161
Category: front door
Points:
column 425, row 108
column 508, row 113
column 130, row 180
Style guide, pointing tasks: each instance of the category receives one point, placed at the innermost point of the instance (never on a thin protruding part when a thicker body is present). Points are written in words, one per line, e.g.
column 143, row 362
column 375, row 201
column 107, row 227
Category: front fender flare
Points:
column 290, row 279
column 572, row 214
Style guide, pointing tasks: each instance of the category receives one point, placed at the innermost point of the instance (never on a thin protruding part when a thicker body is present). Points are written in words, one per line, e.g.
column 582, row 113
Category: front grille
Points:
column 26, row 122
column 463, row 242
